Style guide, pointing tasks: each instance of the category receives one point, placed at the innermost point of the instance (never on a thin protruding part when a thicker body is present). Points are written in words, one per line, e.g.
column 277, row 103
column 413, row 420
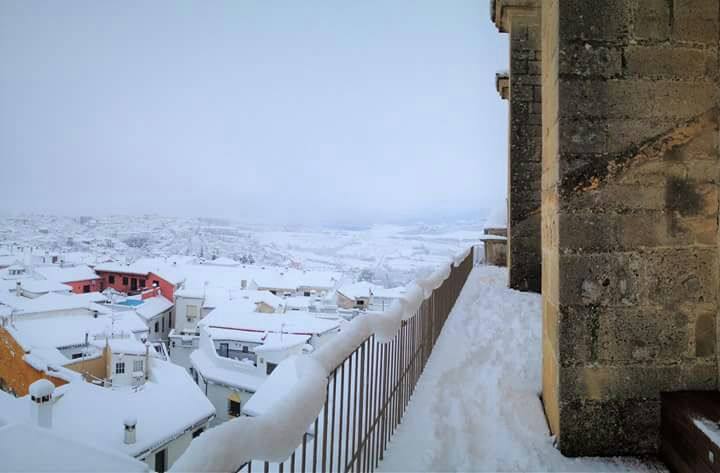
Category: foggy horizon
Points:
column 285, row 113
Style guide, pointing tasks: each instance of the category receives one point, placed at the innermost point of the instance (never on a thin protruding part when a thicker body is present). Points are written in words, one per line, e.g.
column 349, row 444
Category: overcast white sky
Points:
column 288, row 111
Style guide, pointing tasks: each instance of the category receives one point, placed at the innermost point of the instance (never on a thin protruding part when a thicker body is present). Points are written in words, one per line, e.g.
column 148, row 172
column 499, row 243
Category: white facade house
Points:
column 188, row 310
column 157, row 312
column 191, row 307
column 162, row 416
column 364, row 295
column 237, row 350
column 113, row 374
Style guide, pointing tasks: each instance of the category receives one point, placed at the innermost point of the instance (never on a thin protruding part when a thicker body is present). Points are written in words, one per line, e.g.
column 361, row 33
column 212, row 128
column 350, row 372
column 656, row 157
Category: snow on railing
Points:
column 377, row 358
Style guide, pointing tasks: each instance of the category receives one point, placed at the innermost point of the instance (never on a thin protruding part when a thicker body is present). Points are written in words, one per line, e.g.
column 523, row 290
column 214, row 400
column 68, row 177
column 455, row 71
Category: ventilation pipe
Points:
column 41, row 393
column 129, row 424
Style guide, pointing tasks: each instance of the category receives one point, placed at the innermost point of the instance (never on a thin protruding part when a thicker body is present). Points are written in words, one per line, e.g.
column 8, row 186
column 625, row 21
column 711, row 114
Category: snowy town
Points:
column 388, row 235
column 156, row 350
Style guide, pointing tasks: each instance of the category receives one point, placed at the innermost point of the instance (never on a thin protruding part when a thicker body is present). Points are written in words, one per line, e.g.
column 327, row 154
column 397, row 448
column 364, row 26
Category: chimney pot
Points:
column 129, row 424
column 41, row 393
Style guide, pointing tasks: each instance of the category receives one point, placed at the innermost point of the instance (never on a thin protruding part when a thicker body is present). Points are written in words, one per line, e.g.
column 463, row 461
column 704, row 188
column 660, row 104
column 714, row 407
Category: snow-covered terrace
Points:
column 475, row 406
column 373, row 363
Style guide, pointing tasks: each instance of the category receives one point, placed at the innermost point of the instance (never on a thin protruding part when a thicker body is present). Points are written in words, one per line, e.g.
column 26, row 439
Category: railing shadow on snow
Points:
column 350, row 396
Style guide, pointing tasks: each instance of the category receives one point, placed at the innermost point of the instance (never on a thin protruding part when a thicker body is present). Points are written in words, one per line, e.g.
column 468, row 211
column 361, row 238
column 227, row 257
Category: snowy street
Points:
column 476, row 406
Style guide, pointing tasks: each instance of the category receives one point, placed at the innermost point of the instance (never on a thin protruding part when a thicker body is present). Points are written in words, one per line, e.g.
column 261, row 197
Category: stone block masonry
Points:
column 521, row 20
column 629, row 191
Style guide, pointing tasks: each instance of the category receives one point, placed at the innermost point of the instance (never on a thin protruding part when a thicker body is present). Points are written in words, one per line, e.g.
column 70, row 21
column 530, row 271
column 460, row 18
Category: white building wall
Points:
column 126, row 378
column 164, row 322
column 218, row 395
column 173, row 449
column 180, row 347
column 182, row 324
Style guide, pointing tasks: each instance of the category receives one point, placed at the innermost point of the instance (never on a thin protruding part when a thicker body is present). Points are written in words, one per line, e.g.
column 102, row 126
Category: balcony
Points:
column 348, row 397
column 433, row 396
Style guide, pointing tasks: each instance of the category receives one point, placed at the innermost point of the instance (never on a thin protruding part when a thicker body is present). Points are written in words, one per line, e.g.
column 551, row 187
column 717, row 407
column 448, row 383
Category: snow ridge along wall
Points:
column 274, row 436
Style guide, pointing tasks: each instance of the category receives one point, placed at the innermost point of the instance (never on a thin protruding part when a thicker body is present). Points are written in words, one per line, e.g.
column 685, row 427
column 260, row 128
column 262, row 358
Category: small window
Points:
column 120, row 368
column 125, row 280
column 233, row 408
column 86, row 289
column 138, row 365
column 157, row 327
column 192, row 311
column 360, row 302
column 156, row 283
column 274, row 292
column 75, row 356
column 245, row 349
column 111, row 279
column 142, row 282
column 198, row 432
column 306, row 293
column 270, row 367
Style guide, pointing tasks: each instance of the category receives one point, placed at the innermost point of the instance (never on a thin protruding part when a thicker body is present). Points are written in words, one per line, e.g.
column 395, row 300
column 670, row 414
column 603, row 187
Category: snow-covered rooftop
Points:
column 42, row 286
column 51, row 302
column 168, row 404
column 153, row 307
column 43, row 336
column 283, row 379
column 225, row 371
column 234, row 315
column 65, row 274
column 24, row 447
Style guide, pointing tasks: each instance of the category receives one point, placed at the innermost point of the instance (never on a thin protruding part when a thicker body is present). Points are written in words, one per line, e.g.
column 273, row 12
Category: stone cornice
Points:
column 501, row 10
column 502, row 84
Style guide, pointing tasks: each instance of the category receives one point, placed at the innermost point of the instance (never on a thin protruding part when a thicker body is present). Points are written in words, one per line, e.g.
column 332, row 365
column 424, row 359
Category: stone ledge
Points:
column 502, row 84
column 501, row 9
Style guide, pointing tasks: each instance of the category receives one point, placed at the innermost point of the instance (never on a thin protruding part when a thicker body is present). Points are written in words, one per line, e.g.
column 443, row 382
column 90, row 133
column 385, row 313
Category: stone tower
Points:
column 629, row 194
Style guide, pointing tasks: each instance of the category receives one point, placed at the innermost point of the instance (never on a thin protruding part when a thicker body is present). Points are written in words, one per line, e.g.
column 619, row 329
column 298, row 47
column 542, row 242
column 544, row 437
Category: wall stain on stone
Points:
column 681, row 196
column 594, row 174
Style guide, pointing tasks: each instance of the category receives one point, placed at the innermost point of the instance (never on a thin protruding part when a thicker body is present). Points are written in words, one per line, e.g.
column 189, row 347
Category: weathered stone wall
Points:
column 521, row 20
column 629, row 216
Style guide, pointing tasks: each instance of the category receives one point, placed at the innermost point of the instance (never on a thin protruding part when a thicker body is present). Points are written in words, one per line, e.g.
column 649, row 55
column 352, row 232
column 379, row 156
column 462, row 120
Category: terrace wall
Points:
column 521, row 20
column 629, row 215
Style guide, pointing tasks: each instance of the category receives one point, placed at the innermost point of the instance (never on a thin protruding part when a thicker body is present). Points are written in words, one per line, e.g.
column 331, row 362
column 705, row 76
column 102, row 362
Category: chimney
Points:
column 129, row 426
column 147, row 360
column 41, row 392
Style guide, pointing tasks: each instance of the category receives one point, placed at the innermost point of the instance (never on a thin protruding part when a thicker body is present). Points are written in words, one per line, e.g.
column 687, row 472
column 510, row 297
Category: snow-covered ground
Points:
column 388, row 255
column 476, row 406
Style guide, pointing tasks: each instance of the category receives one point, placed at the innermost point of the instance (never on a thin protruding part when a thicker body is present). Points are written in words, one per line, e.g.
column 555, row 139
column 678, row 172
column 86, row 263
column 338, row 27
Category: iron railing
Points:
column 368, row 392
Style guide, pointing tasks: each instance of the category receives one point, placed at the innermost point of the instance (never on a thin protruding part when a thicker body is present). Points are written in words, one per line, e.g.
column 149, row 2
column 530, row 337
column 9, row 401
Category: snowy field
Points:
column 388, row 255
column 476, row 406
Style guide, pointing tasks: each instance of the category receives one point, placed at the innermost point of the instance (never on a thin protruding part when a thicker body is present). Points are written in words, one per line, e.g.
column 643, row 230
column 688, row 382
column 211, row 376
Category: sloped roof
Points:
column 153, row 306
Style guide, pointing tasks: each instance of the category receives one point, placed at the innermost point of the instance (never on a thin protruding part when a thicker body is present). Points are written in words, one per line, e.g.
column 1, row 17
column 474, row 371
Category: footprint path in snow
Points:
column 476, row 406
